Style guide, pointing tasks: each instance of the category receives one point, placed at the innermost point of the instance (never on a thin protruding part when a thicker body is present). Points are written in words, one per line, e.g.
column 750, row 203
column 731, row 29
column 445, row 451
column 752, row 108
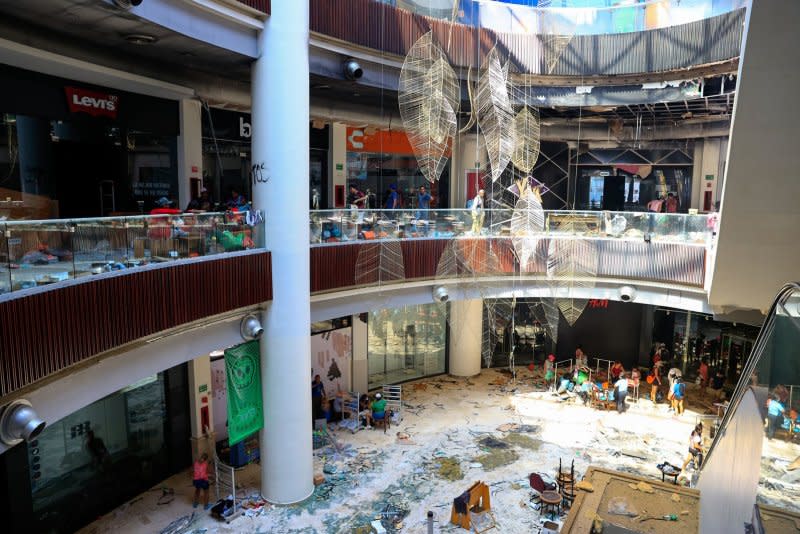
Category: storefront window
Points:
column 376, row 160
column 406, row 343
column 103, row 453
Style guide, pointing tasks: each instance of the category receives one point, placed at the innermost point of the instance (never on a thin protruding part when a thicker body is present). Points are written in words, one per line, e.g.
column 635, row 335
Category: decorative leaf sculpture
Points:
column 527, row 225
column 379, row 263
column 571, row 264
column 546, row 312
column 495, row 114
column 526, row 135
column 557, row 33
column 429, row 98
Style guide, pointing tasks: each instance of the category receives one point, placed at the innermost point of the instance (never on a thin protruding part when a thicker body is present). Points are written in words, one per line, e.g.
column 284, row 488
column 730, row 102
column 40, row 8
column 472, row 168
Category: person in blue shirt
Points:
column 775, row 411
column 317, row 396
column 678, row 395
column 423, row 203
column 393, row 200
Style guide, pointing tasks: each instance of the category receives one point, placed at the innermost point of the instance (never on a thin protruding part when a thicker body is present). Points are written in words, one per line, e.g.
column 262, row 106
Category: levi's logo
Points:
column 92, row 102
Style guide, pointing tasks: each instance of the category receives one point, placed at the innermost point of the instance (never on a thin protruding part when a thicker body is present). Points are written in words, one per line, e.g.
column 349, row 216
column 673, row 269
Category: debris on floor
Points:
column 449, row 469
column 480, row 432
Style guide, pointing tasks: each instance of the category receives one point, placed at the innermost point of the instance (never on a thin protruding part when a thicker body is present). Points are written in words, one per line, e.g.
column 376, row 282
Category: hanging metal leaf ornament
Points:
column 526, row 135
column 495, row 114
column 571, row 265
column 429, row 98
column 527, row 225
column 546, row 312
column 380, row 263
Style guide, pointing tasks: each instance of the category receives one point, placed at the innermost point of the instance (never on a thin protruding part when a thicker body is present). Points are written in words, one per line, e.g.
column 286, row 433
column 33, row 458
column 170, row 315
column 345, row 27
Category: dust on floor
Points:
column 396, row 480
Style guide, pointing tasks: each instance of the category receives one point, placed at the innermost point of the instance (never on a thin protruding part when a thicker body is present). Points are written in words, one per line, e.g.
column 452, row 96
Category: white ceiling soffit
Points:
column 29, row 58
column 213, row 22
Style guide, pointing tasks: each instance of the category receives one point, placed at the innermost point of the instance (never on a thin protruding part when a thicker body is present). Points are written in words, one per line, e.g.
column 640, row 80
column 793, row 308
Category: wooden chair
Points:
column 478, row 502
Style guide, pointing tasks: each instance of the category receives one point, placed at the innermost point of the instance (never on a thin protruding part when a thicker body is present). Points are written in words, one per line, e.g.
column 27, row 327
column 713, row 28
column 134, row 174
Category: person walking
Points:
column 317, row 396
column 200, row 481
column 620, row 392
column 703, row 372
column 695, row 448
column 393, row 199
column 478, row 213
column 775, row 411
column 654, row 380
column 678, row 396
column 423, row 203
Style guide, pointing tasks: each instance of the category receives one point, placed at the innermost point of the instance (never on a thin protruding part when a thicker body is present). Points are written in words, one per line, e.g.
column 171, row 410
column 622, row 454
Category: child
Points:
column 200, row 481
column 549, row 368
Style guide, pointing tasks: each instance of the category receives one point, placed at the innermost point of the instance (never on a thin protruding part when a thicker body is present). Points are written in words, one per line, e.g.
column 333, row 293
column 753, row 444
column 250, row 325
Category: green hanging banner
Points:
column 245, row 412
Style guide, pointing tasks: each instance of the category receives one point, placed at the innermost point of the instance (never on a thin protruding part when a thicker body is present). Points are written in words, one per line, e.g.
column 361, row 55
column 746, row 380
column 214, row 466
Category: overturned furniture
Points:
column 225, row 476
column 393, row 395
column 470, row 505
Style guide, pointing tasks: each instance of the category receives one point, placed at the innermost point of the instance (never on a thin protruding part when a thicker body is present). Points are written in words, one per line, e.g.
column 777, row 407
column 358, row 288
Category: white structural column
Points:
column 190, row 149
column 280, row 188
column 360, row 354
column 466, row 331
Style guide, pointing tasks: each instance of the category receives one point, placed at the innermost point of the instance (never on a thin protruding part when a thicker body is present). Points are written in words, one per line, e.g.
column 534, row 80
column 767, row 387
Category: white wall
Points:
column 757, row 250
column 709, row 161
column 729, row 480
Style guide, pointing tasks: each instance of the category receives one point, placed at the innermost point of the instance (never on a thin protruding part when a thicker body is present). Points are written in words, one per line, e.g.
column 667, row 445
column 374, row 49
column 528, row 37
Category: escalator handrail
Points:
column 756, row 354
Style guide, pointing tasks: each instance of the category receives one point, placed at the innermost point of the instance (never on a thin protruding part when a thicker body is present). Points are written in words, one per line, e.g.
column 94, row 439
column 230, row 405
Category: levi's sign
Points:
column 92, row 102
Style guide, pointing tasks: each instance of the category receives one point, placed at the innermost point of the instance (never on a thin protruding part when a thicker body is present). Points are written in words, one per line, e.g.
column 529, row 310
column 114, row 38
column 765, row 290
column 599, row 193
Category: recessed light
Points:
column 140, row 39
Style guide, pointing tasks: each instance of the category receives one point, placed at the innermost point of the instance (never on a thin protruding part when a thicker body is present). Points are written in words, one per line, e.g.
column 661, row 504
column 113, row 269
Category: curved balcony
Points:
column 709, row 44
column 78, row 289
column 383, row 247
column 83, row 288
column 583, row 17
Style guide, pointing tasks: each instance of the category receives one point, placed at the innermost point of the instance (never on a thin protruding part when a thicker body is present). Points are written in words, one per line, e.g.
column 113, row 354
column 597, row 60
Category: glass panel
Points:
column 100, row 245
column 40, row 253
column 34, row 253
column 406, row 343
column 333, row 226
column 120, row 437
column 5, row 271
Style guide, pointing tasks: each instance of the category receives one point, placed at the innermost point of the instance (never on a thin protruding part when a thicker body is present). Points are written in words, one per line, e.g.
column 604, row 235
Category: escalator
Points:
column 750, row 480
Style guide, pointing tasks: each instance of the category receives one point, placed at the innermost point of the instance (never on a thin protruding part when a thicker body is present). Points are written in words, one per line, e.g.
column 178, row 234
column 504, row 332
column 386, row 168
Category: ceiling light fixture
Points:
column 140, row 39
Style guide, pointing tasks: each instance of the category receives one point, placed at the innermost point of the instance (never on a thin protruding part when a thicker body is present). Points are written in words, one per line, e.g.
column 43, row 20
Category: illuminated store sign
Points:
column 92, row 102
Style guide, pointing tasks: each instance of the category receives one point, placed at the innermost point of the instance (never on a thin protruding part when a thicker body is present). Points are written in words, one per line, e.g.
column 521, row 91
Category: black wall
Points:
column 610, row 333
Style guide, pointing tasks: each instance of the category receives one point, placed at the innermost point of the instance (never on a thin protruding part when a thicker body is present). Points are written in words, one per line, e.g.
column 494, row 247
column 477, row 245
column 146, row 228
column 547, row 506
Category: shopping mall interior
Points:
column 405, row 266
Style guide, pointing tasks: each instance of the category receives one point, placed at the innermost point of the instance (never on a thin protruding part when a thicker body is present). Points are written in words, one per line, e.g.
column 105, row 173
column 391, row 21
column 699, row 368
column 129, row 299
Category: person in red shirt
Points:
column 671, row 204
column 703, row 372
column 163, row 207
column 200, row 481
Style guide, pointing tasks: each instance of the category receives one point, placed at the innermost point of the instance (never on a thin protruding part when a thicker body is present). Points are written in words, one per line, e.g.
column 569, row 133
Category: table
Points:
column 551, row 503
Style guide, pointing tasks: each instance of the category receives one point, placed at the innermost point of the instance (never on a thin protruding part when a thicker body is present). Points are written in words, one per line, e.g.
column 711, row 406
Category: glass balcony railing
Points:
column 336, row 226
column 571, row 17
column 37, row 253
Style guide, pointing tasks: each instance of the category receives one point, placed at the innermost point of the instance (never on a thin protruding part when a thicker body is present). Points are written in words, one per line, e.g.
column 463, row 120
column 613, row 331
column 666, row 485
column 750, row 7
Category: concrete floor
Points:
column 444, row 417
